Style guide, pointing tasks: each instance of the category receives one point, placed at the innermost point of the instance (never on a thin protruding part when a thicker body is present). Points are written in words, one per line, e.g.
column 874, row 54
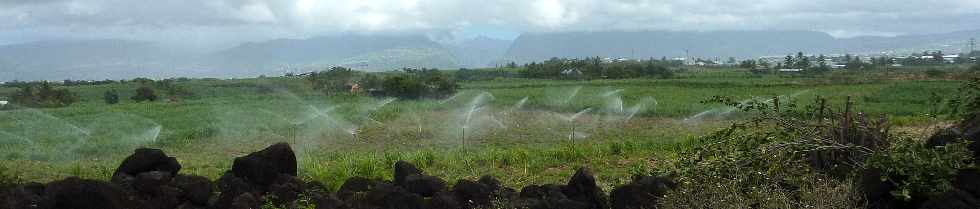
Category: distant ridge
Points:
column 712, row 44
column 119, row 59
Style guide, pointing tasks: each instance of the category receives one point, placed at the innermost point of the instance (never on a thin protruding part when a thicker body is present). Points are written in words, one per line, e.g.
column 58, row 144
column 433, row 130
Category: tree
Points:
column 822, row 63
column 111, row 96
column 44, row 95
column 335, row 80
column 802, row 62
column 370, row 81
column 144, row 93
column 788, row 62
column 750, row 64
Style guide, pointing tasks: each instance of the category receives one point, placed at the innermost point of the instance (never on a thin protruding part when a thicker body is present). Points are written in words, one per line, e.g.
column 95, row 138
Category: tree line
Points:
column 596, row 68
column 410, row 83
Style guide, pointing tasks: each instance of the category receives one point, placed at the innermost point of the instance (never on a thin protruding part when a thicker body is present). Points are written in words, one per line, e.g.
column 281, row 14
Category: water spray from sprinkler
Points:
column 571, row 121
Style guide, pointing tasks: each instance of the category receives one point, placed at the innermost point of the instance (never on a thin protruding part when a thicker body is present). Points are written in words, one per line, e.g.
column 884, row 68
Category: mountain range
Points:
column 118, row 59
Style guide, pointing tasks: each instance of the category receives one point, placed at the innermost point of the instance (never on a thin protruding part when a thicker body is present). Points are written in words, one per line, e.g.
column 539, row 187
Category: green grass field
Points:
column 485, row 129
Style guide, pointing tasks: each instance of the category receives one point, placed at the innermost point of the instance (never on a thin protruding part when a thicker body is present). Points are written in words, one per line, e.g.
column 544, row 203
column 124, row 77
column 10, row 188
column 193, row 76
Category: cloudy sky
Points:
column 224, row 22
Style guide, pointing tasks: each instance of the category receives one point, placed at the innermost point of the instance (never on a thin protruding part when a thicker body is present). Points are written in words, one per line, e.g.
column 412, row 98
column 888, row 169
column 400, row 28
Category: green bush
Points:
column 44, row 95
column 144, row 93
column 920, row 171
column 336, row 80
column 417, row 84
column 111, row 96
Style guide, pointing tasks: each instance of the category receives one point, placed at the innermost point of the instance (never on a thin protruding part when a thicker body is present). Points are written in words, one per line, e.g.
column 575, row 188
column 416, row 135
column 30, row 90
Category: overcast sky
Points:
column 223, row 22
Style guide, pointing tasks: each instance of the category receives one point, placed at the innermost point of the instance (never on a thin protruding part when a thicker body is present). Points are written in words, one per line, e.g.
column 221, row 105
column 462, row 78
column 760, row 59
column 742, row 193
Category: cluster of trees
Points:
column 464, row 74
column 596, row 68
column 418, row 84
column 409, row 84
column 335, row 80
column 43, row 94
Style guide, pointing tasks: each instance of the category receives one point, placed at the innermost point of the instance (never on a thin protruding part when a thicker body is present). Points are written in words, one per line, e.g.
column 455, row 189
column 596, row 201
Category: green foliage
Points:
column 44, row 95
column 144, row 93
column 111, row 96
column 370, row 81
column 7, row 178
column 419, row 83
column 596, row 68
column 143, row 81
column 171, row 88
column 964, row 103
column 336, row 80
column 920, row 171
column 464, row 74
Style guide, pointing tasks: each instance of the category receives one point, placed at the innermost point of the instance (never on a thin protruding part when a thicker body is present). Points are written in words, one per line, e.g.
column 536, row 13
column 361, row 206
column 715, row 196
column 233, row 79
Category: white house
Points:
column 3, row 103
column 791, row 70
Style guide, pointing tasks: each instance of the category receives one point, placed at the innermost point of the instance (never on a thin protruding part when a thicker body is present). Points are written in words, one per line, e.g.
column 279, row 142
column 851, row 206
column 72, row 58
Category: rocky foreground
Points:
column 149, row 179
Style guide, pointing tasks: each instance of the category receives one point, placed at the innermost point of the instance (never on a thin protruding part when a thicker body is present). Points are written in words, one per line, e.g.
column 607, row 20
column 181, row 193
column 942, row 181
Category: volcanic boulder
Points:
column 389, row 196
column 403, row 170
column 146, row 160
column 263, row 167
column 582, row 188
column 472, row 194
column 286, row 189
column 231, row 187
column 76, row 193
column 965, row 194
column 642, row 192
column 196, row 189
column 22, row 197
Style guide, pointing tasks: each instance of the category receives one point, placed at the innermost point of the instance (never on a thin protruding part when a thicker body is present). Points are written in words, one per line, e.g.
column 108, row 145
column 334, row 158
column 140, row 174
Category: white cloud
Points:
column 240, row 20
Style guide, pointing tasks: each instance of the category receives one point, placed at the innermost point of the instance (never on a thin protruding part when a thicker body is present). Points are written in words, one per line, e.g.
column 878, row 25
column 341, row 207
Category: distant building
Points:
column 791, row 70
column 951, row 58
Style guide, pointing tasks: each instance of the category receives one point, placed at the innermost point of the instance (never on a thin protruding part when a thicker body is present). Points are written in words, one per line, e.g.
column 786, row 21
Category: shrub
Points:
column 920, row 171
column 111, row 96
column 417, row 84
column 144, row 93
column 335, row 80
column 44, row 95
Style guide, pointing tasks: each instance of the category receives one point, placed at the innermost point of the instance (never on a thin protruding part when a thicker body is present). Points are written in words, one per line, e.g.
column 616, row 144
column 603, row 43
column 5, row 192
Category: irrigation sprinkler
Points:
column 571, row 121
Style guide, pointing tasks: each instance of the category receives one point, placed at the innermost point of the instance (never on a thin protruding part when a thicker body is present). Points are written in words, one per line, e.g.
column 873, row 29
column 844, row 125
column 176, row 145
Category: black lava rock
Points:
column 195, row 189
column 25, row 196
column 231, row 187
column 582, row 188
column 286, row 189
column 424, row 185
column 642, row 192
column 443, row 200
column 953, row 199
column 245, row 201
column 149, row 183
column 263, row 167
column 77, row 193
column 146, row 160
column 403, row 170
column 472, row 194
column 389, row 196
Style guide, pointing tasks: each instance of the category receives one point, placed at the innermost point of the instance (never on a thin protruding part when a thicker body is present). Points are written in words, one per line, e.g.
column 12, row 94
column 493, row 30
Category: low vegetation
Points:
column 767, row 140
